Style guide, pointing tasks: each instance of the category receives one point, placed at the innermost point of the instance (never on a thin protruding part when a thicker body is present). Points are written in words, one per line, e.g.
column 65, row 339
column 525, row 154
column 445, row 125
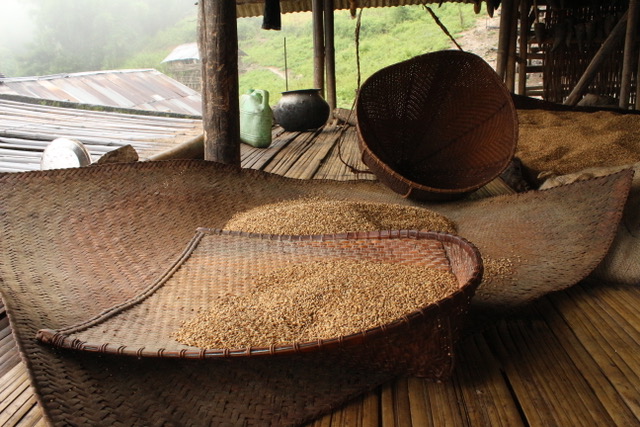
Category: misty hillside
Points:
column 91, row 35
column 61, row 36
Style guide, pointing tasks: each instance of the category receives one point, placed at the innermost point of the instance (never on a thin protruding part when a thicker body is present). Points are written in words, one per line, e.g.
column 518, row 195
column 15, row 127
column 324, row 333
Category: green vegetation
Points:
column 387, row 36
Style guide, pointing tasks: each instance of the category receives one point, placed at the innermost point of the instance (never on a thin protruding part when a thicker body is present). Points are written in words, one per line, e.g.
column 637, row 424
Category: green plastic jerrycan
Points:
column 256, row 118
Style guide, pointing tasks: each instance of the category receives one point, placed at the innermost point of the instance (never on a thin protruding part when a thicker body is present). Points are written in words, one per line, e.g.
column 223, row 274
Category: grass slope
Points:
column 387, row 36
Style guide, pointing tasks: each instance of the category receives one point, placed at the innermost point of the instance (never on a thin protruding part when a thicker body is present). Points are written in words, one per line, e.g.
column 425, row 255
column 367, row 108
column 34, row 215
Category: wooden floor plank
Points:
column 324, row 421
column 258, row 158
column 418, row 403
column 289, row 155
column 618, row 297
column 569, row 393
column 593, row 373
column 485, row 396
column 7, row 343
column 33, row 416
column 11, row 392
column 11, row 380
column 402, row 403
column 613, row 303
column 542, row 375
column 5, row 331
column 350, row 415
column 442, row 401
column 308, row 164
column 344, row 156
column 371, row 409
column 9, row 360
column 20, row 408
column 615, row 354
column 387, row 406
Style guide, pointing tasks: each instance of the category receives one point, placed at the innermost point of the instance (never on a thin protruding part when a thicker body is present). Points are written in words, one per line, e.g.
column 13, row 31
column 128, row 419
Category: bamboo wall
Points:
column 571, row 37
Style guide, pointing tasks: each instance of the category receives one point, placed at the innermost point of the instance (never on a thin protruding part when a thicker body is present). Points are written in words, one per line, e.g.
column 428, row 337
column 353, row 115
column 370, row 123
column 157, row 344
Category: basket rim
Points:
column 62, row 338
column 382, row 167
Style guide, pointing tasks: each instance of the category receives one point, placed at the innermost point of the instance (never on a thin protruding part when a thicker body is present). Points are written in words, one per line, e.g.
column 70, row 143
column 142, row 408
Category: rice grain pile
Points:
column 498, row 272
column 318, row 216
column 324, row 299
column 563, row 142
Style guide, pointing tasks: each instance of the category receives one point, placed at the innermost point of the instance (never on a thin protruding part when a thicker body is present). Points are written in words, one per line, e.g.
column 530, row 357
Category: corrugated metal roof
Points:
column 187, row 51
column 26, row 129
column 146, row 89
column 249, row 8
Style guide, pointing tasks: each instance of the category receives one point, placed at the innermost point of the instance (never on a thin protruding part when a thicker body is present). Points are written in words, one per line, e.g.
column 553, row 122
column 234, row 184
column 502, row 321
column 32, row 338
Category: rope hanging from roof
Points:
column 441, row 25
column 353, row 104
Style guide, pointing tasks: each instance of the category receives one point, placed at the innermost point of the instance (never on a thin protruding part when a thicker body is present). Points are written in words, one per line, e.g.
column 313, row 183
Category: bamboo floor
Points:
column 569, row 359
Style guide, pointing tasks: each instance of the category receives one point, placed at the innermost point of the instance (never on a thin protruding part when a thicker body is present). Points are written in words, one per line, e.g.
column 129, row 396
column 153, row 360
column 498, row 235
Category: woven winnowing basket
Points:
column 76, row 242
column 436, row 127
column 216, row 263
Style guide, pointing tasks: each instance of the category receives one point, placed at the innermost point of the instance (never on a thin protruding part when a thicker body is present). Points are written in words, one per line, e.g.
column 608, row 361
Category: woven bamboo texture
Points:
column 217, row 263
column 622, row 263
column 75, row 243
column 437, row 126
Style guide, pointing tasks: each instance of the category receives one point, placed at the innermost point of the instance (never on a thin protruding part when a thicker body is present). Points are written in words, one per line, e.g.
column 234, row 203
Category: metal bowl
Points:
column 64, row 153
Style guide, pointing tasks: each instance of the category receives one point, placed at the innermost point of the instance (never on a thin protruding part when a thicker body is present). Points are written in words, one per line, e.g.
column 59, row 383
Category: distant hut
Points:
column 183, row 64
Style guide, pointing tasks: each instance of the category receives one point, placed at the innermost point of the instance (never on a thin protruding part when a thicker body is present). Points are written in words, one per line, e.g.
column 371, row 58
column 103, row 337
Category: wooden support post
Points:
column 218, row 37
column 638, row 84
column 504, row 37
column 318, row 44
column 525, row 24
column 629, row 57
column 607, row 47
column 330, row 54
column 510, row 74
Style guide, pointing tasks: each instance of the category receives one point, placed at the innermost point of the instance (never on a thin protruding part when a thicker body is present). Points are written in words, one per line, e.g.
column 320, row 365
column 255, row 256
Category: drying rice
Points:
column 498, row 271
column 320, row 300
column 563, row 142
column 318, row 216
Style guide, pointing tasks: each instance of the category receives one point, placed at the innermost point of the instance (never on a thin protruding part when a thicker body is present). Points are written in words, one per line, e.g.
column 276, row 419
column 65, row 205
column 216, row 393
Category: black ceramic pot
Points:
column 300, row 110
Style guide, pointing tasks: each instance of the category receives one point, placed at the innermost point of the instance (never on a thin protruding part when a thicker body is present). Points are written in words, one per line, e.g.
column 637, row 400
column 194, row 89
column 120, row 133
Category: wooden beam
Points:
column 191, row 149
column 318, row 44
column 330, row 54
column 607, row 47
column 218, row 36
column 504, row 38
column 629, row 57
column 510, row 73
column 638, row 83
column 525, row 24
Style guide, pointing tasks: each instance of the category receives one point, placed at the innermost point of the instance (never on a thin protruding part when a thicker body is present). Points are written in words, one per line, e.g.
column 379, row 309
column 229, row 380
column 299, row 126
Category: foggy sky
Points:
column 16, row 24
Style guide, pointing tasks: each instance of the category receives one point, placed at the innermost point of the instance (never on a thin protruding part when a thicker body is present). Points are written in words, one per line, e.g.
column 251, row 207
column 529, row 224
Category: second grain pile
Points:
column 323, row 299
column 321, row 216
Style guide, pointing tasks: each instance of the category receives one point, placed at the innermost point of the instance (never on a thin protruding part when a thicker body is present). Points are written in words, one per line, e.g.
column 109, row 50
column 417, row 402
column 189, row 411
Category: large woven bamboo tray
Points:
column 77, row 242
column 218, row 262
